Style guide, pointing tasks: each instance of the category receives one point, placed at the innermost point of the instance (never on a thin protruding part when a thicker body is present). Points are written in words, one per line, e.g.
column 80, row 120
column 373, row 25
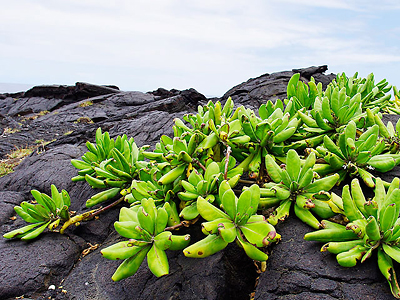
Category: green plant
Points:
column 372, row 95
column 395, row 103
column 199, row 186
column 6, row 167
column 13, row 159
column 286, row 154
column 84, row 120
column 47, row 213
column 373, row 225
column 211, row 111
column 35, row 116
column 390, row 134
column 333, row 111
column 267, row 134
column 144, row 227
column 300, row 94
column 296, row 184
column 85, row 104
column 355, row 156
column 109, row 164
column 68, row 132
column 238, row 223
column 8, row 130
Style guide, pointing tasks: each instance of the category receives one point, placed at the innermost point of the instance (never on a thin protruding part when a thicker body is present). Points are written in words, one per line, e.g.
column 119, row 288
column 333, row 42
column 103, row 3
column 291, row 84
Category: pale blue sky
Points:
column 208, row 45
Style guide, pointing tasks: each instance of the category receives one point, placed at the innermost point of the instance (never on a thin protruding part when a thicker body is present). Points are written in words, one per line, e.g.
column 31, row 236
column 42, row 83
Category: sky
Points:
column 209, row 45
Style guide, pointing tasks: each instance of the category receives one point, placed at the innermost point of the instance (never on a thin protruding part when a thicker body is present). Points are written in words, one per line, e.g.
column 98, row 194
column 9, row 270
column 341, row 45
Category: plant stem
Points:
column 247, row 181
column 228, row 152
column 196, row 161
column 184, row 223
column 86, row 216
column 103, row 209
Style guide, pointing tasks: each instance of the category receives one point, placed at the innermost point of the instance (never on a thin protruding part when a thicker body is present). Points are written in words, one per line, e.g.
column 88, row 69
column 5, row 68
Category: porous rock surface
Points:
column 68, row 116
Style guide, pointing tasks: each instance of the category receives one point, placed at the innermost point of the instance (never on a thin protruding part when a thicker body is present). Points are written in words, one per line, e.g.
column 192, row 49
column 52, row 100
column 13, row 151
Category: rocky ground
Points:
column 56, row 121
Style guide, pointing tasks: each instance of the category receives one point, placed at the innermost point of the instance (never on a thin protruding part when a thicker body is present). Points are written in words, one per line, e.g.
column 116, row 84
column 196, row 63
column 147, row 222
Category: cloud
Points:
column 355, row 5
column 337, row 4
column 210, row 45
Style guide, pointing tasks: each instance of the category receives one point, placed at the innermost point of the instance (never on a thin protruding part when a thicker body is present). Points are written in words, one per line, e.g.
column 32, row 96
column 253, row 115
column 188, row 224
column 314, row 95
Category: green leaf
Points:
column 24, row 215
column 229, row 203
column 34, row 233
column 130, row 266
column 157, row 261
column 258, row 233
column 21, row 231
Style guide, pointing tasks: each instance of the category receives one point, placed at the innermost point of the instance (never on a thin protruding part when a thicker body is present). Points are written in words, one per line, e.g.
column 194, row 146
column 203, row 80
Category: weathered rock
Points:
column 28, row 267
column 130, row 99
column 86, row 90
column 5, row 105
column 257, row 91
column 25, row 106
column 162, row 93
column 8, row 200
column 80, row 91
column 11, row 95
column 40, row 127
column 311, row 71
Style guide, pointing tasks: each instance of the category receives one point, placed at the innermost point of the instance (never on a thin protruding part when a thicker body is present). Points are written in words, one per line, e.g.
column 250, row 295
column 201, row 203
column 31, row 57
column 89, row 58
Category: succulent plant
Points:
column 390, row 134
column 196, row 186
column 300, row 94
column 144, row 225
column 48, row 212
column 296, row 183
column 200, row 122
column 372, row 95
column 238, row 223
column 356, row 156
column 267, row 134
column 373, row 224
column 111, row 165
column 394, row 106
column 333, row 111
column 191, row 175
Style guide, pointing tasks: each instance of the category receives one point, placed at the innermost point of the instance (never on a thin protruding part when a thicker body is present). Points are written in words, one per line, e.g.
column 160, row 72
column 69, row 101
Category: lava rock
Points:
column 80, row 91
column 257, row 91
column 30, row 267
column 8, row 200
column 25, row 106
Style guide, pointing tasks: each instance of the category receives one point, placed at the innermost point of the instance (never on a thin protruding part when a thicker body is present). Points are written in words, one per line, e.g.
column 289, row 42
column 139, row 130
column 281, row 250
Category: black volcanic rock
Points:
column 80, row 91
column 28, row 267
column 257, row 91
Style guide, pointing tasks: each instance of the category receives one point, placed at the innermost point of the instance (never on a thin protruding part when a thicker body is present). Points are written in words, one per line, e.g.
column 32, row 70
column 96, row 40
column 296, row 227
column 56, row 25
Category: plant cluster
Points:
column 240, row 172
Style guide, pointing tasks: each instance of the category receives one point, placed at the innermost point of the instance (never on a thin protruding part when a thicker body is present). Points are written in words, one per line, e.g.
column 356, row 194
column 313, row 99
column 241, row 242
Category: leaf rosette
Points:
column 144, row 226
column 238, row 222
